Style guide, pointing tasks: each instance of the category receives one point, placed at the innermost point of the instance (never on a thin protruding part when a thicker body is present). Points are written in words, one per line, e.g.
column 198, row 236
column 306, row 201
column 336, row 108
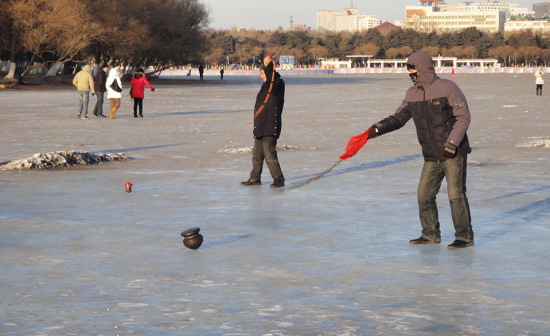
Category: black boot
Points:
column 278, row 184
column 251, row 183
column 424, row 241
column 141, row 115
column 460, row 244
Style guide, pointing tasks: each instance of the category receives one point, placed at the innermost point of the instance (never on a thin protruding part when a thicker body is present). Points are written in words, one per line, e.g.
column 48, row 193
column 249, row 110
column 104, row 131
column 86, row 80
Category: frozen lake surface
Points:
column 79, row 256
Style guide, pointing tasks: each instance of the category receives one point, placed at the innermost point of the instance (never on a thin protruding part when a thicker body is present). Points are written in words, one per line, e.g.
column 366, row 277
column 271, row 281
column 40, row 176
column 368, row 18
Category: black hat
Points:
column 104, row 65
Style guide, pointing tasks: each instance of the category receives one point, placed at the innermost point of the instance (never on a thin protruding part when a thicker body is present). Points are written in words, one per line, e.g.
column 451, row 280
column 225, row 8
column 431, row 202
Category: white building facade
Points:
column 350, row 19
column 488, row 16
column 536, row 25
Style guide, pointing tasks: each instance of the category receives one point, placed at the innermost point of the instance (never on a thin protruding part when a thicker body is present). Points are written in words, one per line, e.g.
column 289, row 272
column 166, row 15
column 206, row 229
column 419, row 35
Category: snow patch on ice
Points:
column 510, row 106
column 536, row 143
column 62, row 159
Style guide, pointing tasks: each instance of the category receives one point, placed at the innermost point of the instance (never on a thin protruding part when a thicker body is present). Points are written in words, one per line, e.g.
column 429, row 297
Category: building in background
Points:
column 487, row 16
column 537, row 25
column 326, row 20
column 541, row 9
column 300, row 27
column 351, row 19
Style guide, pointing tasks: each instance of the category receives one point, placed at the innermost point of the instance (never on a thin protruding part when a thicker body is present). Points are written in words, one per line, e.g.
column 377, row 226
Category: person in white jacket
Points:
column 112, row 95
column 539, row 81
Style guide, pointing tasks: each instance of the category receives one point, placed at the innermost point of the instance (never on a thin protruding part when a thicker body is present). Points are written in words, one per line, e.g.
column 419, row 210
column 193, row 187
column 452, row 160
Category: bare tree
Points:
column 58, row 27
column 433, row 51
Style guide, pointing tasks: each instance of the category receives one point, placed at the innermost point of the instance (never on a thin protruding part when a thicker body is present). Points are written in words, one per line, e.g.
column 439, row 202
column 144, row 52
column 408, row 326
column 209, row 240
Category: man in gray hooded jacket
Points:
column 441, row 116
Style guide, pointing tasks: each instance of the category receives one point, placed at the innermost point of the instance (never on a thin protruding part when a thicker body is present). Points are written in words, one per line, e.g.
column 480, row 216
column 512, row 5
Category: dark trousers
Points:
column 454, row 171
column 265, row 148
column 539, row 89
column 138, row 102
column 98, row 109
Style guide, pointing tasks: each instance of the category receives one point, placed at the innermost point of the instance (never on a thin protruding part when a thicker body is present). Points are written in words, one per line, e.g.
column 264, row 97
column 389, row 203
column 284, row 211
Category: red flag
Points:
column 355, row 144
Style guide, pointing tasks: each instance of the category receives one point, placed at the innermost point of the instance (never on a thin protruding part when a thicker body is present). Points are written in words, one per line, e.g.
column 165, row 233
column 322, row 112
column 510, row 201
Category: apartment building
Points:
column 351, row 19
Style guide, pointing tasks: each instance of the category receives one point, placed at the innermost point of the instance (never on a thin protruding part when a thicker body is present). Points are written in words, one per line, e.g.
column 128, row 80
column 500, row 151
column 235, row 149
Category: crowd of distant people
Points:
column 108, row 81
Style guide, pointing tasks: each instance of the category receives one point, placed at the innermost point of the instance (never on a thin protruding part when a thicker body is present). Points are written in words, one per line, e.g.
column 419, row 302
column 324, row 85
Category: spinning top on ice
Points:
column 128, row 186
column 192, row 239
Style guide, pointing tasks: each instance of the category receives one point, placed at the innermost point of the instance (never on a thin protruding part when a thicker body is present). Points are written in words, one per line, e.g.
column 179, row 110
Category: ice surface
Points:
column 80, row 256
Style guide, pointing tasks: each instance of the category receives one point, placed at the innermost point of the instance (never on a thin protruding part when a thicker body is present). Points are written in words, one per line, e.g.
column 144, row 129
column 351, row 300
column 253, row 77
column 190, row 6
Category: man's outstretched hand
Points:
column 373, row 132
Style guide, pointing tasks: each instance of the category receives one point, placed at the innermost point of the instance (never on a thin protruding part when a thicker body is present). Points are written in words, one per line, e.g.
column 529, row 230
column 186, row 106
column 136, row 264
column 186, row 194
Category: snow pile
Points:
column 62, row 159
column 536, row 143
column 249, row 149
column 510, row 106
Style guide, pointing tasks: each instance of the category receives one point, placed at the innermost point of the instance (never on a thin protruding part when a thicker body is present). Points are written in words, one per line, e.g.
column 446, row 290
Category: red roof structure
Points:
column 386, row 27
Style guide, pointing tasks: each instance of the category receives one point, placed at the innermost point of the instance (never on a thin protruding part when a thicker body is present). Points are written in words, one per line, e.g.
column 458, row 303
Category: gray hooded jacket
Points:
column 438, row 108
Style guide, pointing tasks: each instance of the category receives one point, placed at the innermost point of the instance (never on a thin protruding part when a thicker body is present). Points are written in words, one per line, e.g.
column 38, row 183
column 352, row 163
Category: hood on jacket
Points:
column 138, row 74
column 87, row 68
column 113, row 72
column 423, row 63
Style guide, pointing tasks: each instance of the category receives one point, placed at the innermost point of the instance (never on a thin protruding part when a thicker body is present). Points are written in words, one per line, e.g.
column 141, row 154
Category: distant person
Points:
column 189, row 72
column 539, row 81
column 113, row 81
column 84, row 82
column 267, row 126
column 441, row 116
column 221, row 73
column 201, row 71
column 100, row 88
column 138, row 81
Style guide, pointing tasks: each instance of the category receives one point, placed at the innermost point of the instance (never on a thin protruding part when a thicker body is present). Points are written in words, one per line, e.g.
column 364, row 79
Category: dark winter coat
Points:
column 438, row 108
column 137, row 83
column 269, row 105
column 99, row 81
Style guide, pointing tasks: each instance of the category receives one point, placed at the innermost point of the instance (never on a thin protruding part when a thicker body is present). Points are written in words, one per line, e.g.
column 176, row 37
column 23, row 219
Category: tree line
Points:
column 247, row 47
column 142, row 32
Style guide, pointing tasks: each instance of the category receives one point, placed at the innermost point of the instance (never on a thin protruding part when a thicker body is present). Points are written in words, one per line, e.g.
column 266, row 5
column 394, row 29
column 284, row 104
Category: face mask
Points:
column 414, row 77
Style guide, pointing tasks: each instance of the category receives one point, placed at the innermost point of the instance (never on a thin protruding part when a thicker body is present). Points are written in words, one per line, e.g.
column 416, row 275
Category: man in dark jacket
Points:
column 201, row 71
column 441, row 116
column 267, row 126
column 100, row 88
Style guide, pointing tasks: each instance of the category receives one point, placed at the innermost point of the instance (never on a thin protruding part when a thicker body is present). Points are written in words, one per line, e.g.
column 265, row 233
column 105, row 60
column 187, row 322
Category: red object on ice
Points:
column 128, row 184
column 355, row 144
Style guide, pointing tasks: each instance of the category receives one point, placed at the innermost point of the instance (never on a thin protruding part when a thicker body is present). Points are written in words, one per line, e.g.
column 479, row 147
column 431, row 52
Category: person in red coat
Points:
column 138, row 81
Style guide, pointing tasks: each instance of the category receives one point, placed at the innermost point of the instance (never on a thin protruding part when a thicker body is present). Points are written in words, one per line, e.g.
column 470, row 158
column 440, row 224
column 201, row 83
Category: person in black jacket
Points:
column 267, row 126
column 441, row 116
column 99, row 85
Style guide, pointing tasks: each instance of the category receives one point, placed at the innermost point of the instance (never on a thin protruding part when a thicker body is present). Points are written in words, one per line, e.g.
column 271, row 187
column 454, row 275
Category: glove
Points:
column 373, row 132
column 153, row 90
column 449, row 151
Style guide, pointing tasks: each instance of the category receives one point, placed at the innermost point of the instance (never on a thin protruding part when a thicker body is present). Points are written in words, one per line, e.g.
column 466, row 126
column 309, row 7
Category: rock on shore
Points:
column 62, row 159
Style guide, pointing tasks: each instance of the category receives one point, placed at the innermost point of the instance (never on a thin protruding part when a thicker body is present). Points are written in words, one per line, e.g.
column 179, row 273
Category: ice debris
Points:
column 62, row 159
column 249, row 149
column 535, row 143
column 510, row 106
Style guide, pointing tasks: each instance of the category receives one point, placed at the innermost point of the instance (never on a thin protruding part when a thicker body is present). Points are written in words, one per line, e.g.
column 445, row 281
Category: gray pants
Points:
column 98, row 109
column 83, row 98
column 265, row 148
column 454, row 171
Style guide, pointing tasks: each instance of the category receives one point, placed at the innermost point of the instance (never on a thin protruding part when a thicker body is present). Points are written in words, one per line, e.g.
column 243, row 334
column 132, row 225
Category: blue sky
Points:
column 263, row 14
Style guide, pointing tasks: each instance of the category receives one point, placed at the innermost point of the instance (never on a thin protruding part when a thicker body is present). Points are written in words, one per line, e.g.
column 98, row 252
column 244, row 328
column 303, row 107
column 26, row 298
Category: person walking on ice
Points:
column 441, row 116
column 84, row 82
column 539, row 81
column 137, row 83
column 267, row 126
column 114, row 96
